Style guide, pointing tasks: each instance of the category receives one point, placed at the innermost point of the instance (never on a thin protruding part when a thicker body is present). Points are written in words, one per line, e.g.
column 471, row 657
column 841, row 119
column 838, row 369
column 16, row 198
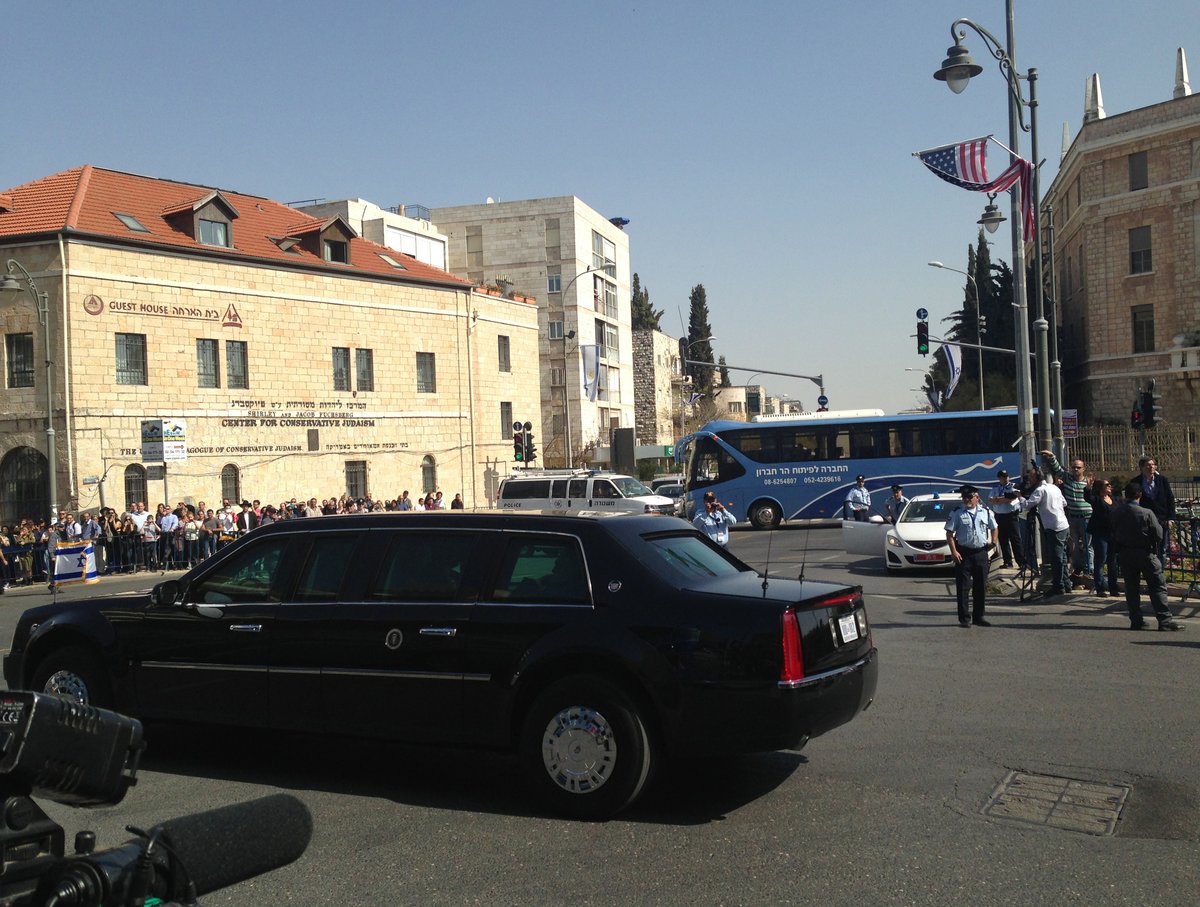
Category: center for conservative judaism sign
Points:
column 163, row 440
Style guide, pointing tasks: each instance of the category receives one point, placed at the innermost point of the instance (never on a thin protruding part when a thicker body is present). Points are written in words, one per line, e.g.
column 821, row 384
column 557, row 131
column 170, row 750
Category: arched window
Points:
column 231, row 483
column 23, row 485
column 428, row 475
column 135, row 485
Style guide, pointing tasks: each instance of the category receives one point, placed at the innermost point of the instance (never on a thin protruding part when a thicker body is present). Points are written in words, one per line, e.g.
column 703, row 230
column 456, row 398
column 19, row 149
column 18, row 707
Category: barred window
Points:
column 208, row 363
column 135, row 485
column 231, row 483
column 18, row 349
column 364, row 369
column 131, row 359
column 238, row 371
column 426, row 373
column 341, row 368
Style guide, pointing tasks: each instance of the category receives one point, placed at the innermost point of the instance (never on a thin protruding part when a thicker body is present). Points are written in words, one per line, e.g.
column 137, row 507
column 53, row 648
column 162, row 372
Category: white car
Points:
column 917, row 541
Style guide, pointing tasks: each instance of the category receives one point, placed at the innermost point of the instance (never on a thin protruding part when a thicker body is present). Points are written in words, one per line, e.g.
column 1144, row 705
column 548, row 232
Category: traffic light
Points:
column 1136, row 418
column 530, row 448
column 1151, row 405
column 923, row 338
column 519, row 446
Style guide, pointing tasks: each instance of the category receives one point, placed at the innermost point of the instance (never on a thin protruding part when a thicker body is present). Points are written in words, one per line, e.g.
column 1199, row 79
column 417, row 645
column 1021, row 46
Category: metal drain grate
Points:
column 1086, row 806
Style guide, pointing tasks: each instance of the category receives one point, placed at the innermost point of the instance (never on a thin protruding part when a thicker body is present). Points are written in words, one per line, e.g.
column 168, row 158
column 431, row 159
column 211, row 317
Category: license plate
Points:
column 930, row 558
column 848, row 627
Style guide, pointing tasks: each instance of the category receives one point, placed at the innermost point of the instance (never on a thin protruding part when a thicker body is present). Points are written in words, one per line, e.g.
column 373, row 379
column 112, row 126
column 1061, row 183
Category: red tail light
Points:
column 793, row 657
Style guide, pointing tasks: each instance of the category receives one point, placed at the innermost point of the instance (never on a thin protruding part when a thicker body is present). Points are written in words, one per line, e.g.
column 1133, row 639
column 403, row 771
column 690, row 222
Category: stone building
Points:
column 657, row 386
column 575, row 262
column 1126, row 245
column 302, row 359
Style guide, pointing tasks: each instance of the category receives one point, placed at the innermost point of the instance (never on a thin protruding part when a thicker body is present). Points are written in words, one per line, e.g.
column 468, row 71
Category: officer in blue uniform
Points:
column 971, row 532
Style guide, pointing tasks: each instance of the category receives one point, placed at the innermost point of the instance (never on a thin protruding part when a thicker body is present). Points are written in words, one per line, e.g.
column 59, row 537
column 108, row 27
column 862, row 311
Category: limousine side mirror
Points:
column 166, row 593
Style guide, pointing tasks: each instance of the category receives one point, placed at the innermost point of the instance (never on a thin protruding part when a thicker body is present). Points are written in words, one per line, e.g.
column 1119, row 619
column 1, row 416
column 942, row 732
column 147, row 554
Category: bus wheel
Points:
column 765, row 515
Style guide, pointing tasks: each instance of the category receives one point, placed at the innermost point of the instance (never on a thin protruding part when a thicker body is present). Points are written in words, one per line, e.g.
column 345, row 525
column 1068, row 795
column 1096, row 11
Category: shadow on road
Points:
column 452, row 779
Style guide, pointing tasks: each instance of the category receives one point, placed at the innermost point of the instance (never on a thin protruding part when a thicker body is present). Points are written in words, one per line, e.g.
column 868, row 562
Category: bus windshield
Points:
column 803, row 468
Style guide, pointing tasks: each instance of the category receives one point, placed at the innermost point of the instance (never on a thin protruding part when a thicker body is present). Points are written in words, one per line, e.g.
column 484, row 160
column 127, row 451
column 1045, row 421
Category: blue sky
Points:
column 761, row 149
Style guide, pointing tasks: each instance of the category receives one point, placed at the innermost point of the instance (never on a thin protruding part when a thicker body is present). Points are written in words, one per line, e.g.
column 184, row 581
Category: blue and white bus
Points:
column 801, row 468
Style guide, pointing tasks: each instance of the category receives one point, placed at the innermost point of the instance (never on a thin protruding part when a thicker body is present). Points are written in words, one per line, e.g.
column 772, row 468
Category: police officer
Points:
column 895, row 504
column 714, row 521
column 1003, row 503
column 971, row 532
column 859, row 500
column 1138, row 535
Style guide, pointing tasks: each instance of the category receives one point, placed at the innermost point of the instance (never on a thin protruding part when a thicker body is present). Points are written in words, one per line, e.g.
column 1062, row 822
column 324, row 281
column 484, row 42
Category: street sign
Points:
column 1070, row 423
column 822, row 400
column 922, row 314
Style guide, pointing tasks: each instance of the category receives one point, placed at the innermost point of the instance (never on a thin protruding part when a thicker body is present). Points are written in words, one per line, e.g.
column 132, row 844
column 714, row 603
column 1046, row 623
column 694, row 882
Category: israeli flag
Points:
column 591, row 370
column 74, row 562
column 954, row 362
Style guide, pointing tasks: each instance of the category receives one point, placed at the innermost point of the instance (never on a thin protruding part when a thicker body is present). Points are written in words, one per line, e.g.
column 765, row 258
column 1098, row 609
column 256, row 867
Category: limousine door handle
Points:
column 438, row 631
column 246, row 628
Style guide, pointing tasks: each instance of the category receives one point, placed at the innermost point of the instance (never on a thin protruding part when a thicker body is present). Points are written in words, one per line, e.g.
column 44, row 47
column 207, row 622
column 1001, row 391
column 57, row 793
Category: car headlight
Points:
column 894, row 541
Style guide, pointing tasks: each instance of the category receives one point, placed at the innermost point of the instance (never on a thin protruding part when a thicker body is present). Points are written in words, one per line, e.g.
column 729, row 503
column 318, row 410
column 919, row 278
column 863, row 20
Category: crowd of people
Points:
column 169, row 539
column 1092, row 539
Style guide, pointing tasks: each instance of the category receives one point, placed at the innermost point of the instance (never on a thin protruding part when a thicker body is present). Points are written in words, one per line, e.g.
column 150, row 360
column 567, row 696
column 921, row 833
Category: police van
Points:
column 580, row 490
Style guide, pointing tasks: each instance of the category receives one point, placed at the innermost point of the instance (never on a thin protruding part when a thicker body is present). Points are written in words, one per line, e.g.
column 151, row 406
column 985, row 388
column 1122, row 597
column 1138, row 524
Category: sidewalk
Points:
column 1006, row 583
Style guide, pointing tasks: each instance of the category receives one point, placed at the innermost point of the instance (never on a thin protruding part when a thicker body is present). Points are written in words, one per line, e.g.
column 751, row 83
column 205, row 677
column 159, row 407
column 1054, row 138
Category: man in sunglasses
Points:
column 971, row 533
column 1076, row 491
column 714, row 520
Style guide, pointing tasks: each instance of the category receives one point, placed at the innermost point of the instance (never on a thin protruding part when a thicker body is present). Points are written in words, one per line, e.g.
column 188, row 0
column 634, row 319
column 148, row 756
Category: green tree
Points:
column 698, row 347
column 642, row 314
column 724, row 372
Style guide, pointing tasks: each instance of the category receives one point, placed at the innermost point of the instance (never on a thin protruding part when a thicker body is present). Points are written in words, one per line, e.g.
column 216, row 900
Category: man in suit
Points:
column 246, row 520
column 1138, row 534
column 1156, row 497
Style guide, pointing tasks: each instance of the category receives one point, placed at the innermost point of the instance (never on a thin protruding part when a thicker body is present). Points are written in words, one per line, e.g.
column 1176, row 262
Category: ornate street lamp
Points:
column 957, row 70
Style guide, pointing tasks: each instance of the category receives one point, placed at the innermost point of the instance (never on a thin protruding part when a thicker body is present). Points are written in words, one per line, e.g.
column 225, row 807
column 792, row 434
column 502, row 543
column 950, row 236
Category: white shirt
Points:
column 715, row 525
column 1051, row 505
column 859, row 498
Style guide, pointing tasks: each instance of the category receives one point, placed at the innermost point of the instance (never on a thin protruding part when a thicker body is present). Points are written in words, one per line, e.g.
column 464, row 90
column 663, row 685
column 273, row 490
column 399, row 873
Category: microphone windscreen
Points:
column 224, row 846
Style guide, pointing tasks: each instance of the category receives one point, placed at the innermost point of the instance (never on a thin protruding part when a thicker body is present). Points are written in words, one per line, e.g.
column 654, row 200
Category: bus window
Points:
column 711, row 464
column 796, row 446
column 868, row 442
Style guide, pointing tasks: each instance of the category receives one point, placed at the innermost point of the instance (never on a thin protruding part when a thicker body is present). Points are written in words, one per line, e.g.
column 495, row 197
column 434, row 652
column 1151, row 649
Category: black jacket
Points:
column 1135, row 528
column 1162, row 505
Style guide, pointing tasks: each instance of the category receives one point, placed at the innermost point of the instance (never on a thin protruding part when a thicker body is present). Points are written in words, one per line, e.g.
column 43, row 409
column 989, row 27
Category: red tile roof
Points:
column 86, row 200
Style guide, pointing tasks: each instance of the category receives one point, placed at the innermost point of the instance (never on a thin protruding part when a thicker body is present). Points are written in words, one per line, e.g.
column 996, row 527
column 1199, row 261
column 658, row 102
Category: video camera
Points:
column 80, row 755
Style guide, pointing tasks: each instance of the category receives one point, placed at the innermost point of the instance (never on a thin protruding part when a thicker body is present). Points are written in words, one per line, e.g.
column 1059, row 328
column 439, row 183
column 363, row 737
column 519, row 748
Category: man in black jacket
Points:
column 1156, row 497
column 246, row 520
column 1137, row 534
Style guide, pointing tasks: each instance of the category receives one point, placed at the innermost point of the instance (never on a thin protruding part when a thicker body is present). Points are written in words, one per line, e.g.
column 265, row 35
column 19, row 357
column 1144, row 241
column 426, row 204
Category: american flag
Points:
column 965, row 166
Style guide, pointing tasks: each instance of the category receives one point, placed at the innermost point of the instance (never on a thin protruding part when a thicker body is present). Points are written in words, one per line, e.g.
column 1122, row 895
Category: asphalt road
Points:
column 887, row 810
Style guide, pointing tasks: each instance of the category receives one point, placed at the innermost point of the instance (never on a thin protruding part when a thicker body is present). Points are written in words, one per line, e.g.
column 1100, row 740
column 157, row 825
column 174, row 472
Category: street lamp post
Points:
column 12, row 283
column 957, row 70
column 978, row 325
column 590, row 269
column 682, row 368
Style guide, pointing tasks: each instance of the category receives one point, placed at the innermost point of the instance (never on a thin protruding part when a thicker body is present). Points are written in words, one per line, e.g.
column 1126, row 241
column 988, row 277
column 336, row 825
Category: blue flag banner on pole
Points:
column 74, row 562
column 954, row 363
column 591, row 370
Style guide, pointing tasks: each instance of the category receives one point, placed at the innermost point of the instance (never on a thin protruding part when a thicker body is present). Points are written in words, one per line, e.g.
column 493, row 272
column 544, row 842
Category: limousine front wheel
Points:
column 72, row 672
column 585, row 747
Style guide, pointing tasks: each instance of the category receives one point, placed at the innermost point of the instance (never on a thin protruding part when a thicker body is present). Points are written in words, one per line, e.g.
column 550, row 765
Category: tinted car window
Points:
column 427, row 567
column 328, row 559
column 542, row 570
column 602, row 488
column 577, row 488
column 689, row 556
column 251, row 575
column 525, row 489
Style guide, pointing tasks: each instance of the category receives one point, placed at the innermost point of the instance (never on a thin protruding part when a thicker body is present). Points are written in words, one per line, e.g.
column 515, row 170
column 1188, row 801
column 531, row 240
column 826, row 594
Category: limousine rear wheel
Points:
column 74, row 673
column 585, row 747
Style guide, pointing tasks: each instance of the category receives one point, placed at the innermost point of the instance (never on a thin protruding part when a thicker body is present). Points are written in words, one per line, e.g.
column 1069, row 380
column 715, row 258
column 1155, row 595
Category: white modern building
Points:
column 575, row 262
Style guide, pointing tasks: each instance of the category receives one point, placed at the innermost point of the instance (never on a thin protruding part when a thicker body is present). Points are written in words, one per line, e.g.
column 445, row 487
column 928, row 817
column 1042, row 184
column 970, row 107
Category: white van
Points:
column 580, row 491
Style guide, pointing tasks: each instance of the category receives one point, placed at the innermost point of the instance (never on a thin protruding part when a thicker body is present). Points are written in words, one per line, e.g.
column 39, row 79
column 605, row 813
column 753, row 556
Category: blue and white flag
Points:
column 591, row 370
column 954, row 362
column 74, row 562
column 935, row 399
column 694, row 399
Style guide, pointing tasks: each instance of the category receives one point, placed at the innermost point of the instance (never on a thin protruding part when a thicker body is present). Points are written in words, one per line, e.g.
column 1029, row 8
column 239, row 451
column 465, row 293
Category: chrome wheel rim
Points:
column 67, row 685
column 579, row 750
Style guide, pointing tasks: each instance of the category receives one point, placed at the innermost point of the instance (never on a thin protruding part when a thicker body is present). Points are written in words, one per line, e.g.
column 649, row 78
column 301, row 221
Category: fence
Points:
column 1115, row 450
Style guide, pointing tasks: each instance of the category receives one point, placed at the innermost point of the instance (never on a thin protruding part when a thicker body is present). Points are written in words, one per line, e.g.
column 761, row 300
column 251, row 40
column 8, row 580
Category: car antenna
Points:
column 767, row 567
column 804, row 555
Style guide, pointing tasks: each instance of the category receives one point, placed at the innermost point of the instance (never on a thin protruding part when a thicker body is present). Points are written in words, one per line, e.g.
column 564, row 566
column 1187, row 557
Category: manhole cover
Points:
column 1087, row 806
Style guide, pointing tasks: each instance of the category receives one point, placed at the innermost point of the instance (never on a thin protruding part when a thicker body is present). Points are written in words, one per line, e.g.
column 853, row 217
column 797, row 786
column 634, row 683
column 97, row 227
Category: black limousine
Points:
column 593, row 646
